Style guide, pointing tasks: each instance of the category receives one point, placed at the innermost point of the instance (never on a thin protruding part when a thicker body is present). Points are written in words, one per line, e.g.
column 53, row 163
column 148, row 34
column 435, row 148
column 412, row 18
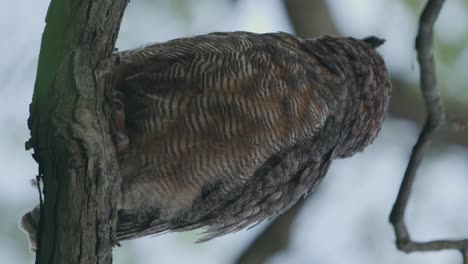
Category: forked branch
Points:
column 435, row 119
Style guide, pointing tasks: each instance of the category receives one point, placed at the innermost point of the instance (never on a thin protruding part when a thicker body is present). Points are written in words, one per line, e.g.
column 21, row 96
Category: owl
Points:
column 225, row 130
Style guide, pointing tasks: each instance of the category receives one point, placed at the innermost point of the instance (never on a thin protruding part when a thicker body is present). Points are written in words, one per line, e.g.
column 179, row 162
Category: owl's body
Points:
column 228, row 129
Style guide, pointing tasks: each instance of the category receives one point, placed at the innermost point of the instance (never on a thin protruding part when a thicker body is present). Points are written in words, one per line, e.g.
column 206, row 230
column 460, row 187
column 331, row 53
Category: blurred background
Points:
column 346, row 220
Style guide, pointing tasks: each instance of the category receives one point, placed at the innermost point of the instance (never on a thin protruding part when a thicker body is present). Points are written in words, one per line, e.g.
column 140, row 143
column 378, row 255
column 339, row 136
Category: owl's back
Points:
column 225, row 130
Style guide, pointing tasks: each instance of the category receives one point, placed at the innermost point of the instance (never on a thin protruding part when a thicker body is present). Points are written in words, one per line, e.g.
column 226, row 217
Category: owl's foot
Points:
column 118, row 121
column 29, row 224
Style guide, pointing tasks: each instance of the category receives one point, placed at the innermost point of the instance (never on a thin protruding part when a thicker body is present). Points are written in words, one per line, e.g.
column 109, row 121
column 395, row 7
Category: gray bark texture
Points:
column 70, row 132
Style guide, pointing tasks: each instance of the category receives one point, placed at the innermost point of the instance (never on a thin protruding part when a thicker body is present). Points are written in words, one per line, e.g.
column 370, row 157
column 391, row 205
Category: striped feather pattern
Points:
column 229, row 129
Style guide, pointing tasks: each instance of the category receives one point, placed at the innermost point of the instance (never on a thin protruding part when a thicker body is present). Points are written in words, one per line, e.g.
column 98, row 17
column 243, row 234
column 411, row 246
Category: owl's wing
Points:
column 225, row 131
column 273, row 189
column 270, row 193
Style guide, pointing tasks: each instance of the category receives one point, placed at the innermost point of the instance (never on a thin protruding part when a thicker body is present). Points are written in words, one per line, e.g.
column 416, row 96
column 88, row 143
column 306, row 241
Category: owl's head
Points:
column 366, row 91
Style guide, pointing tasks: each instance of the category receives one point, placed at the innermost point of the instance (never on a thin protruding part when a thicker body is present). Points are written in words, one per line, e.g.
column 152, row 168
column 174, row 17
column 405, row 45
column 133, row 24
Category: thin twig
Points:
column 435, row 120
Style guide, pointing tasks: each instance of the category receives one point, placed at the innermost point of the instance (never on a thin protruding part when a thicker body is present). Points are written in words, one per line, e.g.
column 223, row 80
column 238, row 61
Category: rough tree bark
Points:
column 70, row 132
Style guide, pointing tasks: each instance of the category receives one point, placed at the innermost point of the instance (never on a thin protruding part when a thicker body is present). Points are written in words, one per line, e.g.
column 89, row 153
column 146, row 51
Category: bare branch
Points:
column 435, row 119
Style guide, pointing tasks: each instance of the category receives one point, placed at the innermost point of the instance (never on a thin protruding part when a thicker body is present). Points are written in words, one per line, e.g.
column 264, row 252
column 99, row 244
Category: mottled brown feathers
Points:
column 229, row 129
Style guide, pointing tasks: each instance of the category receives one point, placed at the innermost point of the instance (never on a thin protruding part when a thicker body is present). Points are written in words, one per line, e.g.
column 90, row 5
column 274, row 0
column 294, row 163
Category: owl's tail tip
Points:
column 374, row 41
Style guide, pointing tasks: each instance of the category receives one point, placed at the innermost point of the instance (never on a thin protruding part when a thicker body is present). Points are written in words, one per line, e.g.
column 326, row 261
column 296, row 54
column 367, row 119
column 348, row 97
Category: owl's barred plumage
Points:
column 226, row 130
column 229, row 129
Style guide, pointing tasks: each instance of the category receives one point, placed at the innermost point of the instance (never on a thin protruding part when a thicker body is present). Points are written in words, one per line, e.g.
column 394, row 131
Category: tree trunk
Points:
column 70, row 132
